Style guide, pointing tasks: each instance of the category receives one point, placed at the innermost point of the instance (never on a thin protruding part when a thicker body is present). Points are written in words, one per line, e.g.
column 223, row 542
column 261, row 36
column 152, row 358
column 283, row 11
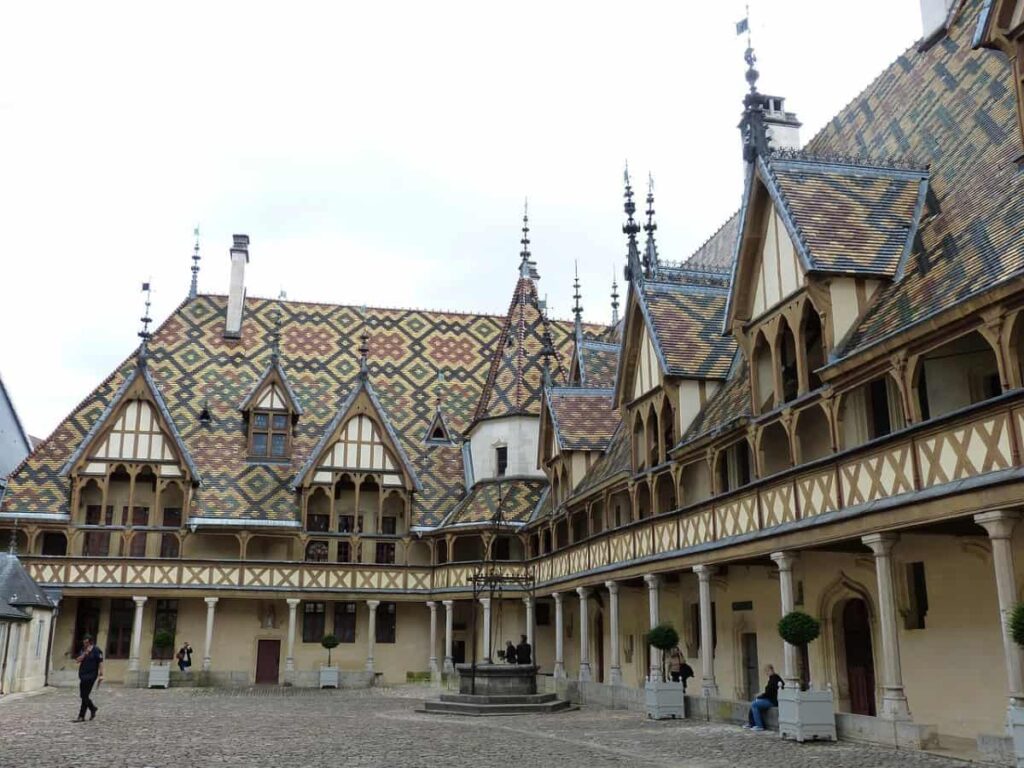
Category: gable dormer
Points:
column 270, row 412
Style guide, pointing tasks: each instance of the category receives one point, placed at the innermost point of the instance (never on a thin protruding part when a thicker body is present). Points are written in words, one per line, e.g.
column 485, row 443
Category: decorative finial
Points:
column 650, row 262
column 193, row 291
column 364, row 350
column 630, row 229
column 144, row 334
column 548, row 351
column 439, row 390
column 12, row 545
column 615, row 300
column 752, row 126
column 275, row 335
column 577, row 309
column 527, row 267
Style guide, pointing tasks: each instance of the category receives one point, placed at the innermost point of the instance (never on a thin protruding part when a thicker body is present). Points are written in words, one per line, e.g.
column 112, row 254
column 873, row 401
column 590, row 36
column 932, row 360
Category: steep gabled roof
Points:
column 273, row 372
column 363, row 385
column 140, row 373
column 684, row 322
column 516, row 376
column 597, row 361
column 584, row 419
column 614, row 462
column 18, row 590
column 519, row 497
column 729, row 406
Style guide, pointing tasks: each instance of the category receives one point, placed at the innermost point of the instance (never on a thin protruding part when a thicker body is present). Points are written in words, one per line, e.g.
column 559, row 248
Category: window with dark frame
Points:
column 346, row 523
column 345, row 622
column 140, row 517
column 543, row 615
column 169, row 546
column 386, row 622
column 97, row 543
column 344, row 552
column 501, row 460
column 165, row 619
column 313, row 615
column 389, row 525
column 385, row 552
column 87, row 622
column 172, row 517
column 54, row 543
column 119, row 631
column 269, row 434
column 318, row 523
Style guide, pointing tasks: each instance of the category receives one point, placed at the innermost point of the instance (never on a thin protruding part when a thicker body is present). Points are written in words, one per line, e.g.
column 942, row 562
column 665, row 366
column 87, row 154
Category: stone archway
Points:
column 837, row 621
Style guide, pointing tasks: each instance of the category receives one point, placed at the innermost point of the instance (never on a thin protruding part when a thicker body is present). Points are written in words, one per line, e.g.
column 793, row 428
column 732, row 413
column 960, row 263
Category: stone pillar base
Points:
column 559, row 671
column 615, row 677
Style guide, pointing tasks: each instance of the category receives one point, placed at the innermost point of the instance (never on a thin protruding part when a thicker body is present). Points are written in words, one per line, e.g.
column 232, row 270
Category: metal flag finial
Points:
column 193, row 290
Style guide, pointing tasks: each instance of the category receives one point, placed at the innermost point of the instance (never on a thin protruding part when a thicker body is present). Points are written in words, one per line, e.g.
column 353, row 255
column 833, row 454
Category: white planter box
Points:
column 806, row 715
column 1015, row 725
column 664, row 700
column 160, row 676
column 329, row 677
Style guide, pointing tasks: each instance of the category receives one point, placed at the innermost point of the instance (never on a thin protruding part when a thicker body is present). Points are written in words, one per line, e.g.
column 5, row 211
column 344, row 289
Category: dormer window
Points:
column 270, row 435
column 501, row 460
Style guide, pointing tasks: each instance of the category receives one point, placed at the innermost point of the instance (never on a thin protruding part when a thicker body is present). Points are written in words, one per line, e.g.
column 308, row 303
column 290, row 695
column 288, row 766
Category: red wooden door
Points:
column 268, row 659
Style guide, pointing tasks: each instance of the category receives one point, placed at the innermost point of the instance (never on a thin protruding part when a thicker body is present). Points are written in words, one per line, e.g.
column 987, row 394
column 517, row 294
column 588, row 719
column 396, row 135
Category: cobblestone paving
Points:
column 298, row 728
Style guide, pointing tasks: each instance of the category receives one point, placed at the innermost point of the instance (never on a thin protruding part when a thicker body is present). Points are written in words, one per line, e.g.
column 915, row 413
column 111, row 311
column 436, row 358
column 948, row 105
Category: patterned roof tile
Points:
column 519, row 497
column 687, row 324
column 584, row 419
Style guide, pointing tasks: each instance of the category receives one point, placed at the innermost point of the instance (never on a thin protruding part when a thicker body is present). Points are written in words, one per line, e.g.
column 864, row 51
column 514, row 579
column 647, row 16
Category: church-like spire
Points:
column 275, row 336
column 577, row 308
column 144, row 334
column 752, row 124
column 630, row 229
column 193, row 290
column 650, row 261
column 527, row 266
column 615, row 300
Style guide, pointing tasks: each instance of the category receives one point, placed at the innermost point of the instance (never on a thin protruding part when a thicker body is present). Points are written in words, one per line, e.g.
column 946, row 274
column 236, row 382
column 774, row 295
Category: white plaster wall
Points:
column 520, row 433
column 845, row 309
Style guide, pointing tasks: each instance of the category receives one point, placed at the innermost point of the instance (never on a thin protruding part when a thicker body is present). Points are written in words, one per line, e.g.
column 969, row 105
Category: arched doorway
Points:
column 860, row 664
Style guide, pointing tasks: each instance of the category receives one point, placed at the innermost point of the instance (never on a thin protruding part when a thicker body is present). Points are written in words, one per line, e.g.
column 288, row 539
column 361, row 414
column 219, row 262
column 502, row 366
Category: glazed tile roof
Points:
column 519, row 498
column 954, row 109
column 583, row 419
column 515, row 379
column 726, row 407
column 849, row 217
column 686, row 324
column 599, row 361
column 614, row 461
column 189, row 361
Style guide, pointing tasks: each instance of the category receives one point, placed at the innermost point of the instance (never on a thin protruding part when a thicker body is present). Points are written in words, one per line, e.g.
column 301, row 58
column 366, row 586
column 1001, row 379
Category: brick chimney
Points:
column 236, row 291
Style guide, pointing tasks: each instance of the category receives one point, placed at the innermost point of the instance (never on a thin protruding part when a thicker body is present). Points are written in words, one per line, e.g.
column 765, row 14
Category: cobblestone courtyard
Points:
column 272, row 727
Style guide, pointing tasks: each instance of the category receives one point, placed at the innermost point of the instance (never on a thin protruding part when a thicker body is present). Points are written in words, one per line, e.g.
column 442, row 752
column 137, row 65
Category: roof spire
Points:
column 577, row 309
column 752, row 124
column 193, row 290
column 144, row 334
column 527, row 266
column 615, row 300
column 548, row 351
column 275, row 336
column 630, row 229
column 650, row 262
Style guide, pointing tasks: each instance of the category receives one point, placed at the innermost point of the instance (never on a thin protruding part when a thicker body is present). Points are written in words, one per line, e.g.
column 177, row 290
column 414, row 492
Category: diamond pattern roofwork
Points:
column 190, row 361
column 584, row 419
column 519, row 497
column 726, row 407
column 849, row 217
column 954, row 109
column 599, row 361
column 686, row 323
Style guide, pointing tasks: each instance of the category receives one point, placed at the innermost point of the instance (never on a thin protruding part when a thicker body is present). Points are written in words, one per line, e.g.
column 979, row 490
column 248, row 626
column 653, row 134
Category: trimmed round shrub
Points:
column 163, row 640
column 1016, row 624
column 797, row 628
column 663, row 637
column 329, row 642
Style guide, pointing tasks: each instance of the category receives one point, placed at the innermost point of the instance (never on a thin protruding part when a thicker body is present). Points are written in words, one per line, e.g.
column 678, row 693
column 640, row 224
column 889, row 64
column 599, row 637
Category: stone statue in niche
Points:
column 269, row 616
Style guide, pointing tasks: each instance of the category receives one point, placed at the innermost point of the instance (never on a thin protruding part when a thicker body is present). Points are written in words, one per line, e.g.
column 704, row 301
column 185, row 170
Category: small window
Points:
column 500, row 549
column 389, row 525
column 318, row 523
column 386, row 623
column 917, row 591
column 172, row 517
column 169, row 546
column 119, row 634
column 385, row 552
column 345, row 622
column 166, row 619
column 346, row 523
column 313, row 622
column 269, row 435
column 543, row 615
column 316, row 552
column 501, row 460
column 344, row 552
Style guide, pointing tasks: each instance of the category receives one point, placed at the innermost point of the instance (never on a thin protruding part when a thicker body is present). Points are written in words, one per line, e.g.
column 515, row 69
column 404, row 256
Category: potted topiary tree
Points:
column 806, row 714
column 663, row 697
column 160, row 671
column 329, row 675
column 1015, row 715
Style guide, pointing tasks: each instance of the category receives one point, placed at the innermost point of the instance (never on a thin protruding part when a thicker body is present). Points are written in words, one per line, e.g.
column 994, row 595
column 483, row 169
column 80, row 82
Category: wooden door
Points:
column 751, row 679
column 268, row 660
column 598, row 670
column 860, row 664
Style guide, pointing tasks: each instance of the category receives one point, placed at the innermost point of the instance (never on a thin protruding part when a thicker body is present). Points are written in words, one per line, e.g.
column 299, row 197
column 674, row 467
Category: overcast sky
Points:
column 375, row 153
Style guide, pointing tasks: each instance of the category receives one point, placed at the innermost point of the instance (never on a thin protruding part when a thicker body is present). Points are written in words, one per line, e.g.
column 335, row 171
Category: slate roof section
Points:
column 584, row 419
column 952, row 108
column 191, row 361
column 850, row 218
column 686, row 323
column 717, row 252
column 515, row 379
column 598, row 363
column 18, row 590
column 519, row 497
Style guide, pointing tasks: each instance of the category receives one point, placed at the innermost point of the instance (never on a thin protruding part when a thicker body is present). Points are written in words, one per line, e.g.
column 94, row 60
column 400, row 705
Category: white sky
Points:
column 375, row 153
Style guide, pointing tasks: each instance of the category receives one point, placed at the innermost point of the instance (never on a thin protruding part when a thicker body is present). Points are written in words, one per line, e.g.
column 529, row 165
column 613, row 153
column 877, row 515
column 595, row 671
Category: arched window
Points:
column 870, row 411
column 775, row 454
column 957, row 374
column 668, row 427
column 653, row 432
column 812, row 433
column 639, row 452
column 764, row 378
column 814, row 345
column 734, row 466
column 787, row 359
column 665, row 488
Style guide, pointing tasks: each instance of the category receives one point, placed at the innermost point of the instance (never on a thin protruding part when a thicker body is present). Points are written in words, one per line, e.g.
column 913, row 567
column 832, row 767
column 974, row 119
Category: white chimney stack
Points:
column 236, row 291
column 782, row 127
column 933, row 16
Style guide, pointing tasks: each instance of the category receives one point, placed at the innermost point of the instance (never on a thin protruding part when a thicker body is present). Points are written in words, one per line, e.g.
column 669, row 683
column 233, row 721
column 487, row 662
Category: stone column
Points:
column 289, row 660
column 433, row 638
column 785, row 561
column 894, row 700
column 653, row 583
column 485, row 650
column 707, row 631
column 133, row 657
column 999, row 526
column 371, row 633
column 528, row 602
column 449, row 666
column 584, row 594
column 211, row 604
column 559, row 630
column 615, row 678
